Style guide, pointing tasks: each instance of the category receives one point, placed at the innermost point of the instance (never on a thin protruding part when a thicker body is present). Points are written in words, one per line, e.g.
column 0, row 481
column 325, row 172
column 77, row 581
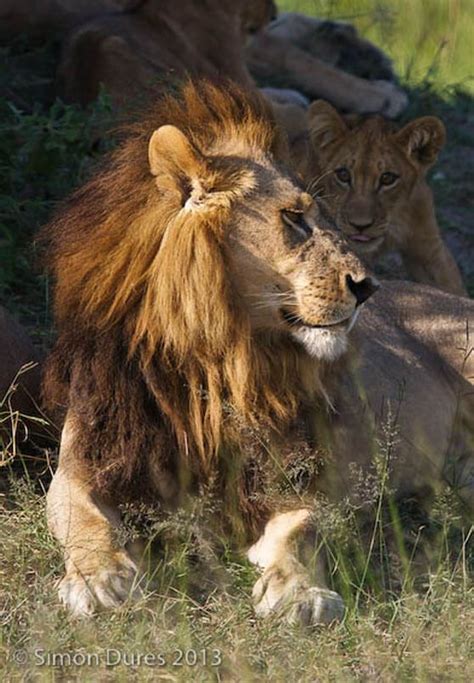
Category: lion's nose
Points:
column 362, row 289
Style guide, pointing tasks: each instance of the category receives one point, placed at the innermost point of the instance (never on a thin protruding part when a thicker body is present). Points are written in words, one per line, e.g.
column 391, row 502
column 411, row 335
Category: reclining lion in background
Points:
column 133, row 47
column 158, row 43
column 199, row 298
column 325, row 59
column 370, row 179
column 134, row 53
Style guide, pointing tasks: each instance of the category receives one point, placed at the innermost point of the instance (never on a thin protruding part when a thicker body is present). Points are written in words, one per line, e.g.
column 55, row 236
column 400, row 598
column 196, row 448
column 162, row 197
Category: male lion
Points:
column 199, row 297
column 370, row 177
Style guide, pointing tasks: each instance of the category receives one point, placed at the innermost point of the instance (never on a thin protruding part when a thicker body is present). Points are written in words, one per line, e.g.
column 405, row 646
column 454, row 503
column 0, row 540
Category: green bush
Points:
column 44, row 154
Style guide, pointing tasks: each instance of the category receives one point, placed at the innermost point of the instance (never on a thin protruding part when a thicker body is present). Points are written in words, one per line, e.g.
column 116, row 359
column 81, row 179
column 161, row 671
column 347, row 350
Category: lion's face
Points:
column 365, row 170
column 288, row 273
column 295, row 276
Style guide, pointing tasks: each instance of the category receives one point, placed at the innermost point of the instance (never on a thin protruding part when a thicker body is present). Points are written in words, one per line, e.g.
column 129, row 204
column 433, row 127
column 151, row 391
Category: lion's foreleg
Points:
column 425, row 255
column 286, row 585
column 99, row 574
column 268, row 55
column 436, row 266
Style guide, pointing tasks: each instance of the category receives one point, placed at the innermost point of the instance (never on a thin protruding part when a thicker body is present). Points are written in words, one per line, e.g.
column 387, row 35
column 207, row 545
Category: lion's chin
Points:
column 324, row 344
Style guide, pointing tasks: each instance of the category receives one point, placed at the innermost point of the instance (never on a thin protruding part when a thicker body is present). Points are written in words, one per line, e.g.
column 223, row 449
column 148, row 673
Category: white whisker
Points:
column 273, row 299
column 312, row 183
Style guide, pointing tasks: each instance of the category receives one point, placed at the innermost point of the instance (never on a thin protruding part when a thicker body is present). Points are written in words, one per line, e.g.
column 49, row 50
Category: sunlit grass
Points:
column 427, row 39
column 397, row 636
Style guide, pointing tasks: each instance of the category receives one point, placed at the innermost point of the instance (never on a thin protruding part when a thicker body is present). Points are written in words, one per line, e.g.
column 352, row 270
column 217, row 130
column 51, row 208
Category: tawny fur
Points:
column 155, row 350
column 398, row 217
column 157, row 44
column 201, row 302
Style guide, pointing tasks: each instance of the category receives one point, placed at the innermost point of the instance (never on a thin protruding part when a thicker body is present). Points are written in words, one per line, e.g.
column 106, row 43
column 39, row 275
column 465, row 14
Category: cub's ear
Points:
column 423, row 139
column 325, row 124
column 170, row 152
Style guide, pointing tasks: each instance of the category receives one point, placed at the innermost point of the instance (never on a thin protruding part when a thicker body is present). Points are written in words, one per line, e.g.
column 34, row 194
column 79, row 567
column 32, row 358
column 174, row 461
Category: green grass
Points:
column 46, row 149
column 401, row 625
column 423, row 37
column 402, row 635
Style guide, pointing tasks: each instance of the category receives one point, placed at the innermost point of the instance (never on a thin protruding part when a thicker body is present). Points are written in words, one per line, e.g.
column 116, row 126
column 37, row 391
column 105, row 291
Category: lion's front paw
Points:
column 394, row 99
column 107, row 588
column 316, row 606
column 290, row 595
column 379, row 97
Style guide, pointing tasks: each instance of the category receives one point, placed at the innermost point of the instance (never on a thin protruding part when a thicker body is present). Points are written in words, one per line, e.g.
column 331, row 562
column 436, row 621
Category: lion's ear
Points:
column 423, row 139
column 177, row 164
column 170, row 151
column 325, row 124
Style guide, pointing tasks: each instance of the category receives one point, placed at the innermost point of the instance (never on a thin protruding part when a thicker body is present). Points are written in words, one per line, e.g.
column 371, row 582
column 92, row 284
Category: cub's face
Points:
column 362, row 171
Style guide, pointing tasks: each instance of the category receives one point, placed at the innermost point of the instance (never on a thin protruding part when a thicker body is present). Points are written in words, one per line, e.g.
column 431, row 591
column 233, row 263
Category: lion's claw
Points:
column 297, row 601
column 316, row 606
column 108, row 588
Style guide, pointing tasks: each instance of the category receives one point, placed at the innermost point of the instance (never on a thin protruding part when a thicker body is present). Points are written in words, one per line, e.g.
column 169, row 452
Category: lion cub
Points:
column 370, row 178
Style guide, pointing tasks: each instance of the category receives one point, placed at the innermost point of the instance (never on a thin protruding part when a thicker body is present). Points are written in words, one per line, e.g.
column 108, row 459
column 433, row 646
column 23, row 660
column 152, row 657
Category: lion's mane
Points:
column 155, row 356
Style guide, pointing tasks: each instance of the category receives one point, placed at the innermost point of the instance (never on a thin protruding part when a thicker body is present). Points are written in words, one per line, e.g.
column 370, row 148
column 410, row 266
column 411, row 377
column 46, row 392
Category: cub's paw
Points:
column 291, row 596
column 108, row 587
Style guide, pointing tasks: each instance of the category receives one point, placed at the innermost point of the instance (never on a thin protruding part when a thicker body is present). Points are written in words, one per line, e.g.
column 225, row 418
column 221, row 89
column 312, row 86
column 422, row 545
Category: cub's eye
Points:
column 295, row 220
column 343, row 174
column 388, row 178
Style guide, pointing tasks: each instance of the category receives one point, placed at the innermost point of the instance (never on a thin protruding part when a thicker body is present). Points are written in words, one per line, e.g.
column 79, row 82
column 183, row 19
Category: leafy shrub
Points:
column 44, row 154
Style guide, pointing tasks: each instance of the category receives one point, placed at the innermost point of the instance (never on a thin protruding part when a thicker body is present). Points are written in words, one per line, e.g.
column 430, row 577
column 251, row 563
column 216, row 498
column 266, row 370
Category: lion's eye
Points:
column 296, row 221
column 343, row 174
column 388, row 178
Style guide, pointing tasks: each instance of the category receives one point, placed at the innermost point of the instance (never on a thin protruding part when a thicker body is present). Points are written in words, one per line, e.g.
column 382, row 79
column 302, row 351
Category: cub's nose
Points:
column 362, row 289
column 361, row 224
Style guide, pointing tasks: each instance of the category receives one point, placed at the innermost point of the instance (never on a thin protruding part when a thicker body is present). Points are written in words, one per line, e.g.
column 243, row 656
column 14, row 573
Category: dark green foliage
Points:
column 44, row 154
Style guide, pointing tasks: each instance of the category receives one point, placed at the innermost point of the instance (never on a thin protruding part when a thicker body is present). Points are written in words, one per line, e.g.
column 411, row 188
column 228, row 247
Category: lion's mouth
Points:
column 295, row 321
column 361, row 238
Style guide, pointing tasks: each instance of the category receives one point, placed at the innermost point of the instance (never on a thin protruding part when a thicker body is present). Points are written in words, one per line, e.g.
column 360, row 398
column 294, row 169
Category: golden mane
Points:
column 154, row 347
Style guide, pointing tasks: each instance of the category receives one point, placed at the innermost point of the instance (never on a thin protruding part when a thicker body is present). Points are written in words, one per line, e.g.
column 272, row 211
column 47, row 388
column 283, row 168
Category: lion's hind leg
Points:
column 285, row 586
column 99, row 573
